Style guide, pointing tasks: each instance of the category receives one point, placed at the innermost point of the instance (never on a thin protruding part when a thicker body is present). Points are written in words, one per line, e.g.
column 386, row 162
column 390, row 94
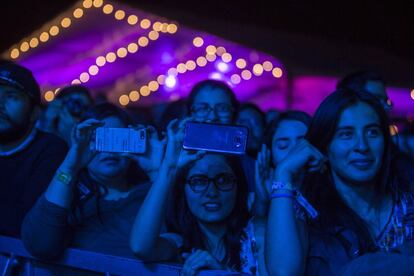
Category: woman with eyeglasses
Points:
column 209, row 210
column 212, row 101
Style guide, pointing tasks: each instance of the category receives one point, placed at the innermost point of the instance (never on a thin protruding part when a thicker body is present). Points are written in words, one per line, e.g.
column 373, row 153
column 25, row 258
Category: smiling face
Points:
column 288, row 133
column 107, row 164
column 356, row 151
column 212, row 205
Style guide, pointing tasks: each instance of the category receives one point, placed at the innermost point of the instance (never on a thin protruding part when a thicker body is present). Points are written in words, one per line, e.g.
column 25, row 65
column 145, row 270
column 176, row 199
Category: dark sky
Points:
column 384, row 25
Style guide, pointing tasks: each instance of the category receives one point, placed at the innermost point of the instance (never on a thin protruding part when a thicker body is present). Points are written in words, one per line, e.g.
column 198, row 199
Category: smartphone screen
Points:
column 216, row 137
column 120, row 140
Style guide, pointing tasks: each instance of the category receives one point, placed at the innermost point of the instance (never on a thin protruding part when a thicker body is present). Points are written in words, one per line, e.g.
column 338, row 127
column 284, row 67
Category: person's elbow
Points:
column 140, row 250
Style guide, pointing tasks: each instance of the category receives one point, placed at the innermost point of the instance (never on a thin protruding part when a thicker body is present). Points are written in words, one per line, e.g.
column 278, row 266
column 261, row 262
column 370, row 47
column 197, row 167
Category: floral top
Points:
column 252, row 245
column 401, row 225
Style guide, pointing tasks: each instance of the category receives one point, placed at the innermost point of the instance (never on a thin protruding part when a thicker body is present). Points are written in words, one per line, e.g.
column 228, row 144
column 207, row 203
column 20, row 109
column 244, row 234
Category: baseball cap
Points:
column 20, row 77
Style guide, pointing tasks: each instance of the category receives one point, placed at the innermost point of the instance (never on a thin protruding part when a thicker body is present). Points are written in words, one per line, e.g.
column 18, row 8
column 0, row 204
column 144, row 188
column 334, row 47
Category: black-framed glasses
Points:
column 199, row 183
column 203, row 109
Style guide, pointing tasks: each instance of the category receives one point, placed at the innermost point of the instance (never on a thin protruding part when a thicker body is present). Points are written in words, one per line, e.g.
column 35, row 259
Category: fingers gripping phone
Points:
column 120, row 140
column 216, row 137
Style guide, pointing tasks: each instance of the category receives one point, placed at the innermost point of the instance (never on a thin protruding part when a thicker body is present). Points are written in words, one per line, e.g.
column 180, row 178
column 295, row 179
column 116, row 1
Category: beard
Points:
column 15, row 131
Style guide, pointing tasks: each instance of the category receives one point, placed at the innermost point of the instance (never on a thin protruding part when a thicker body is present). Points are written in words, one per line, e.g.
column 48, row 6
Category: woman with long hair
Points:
column 351, row 181
column 208, row 213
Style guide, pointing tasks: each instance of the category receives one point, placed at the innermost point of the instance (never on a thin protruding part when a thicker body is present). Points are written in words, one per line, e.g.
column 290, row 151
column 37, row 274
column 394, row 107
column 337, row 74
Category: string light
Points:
column 143, row 41
column 108, row 9
column 267, row 66
column 220, row 50
column 246, row 74
column 235, row 79
column 100, row 61
column 198, row 41
column 93, row 70
column 134, row 96
column 66, row 22
column 87, row 4
column 121, row 52
column 24, row 47
column 144, row 91
column 132, row 48
column 211, row 50
column 258, row 69
column 132, row 19
column 172, row 28
column 78, row 13
column 97, row 3
column 124, row 100
column 226, row 57
column 145, row 24
column 119, row 15
column 241, row 63
column 14, row 53
column 84, row 77
column 201, row 61
column 153, row 86
column 34, row 42
column 49, row 96
column 53, row 30
column 277, row 72
column 153, row 35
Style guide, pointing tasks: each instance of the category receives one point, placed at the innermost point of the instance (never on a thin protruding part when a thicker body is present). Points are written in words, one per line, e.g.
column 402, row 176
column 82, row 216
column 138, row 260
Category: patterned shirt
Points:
column 401, row 225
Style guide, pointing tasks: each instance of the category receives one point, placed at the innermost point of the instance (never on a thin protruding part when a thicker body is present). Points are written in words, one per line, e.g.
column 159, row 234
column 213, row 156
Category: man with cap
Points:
column 28, row 157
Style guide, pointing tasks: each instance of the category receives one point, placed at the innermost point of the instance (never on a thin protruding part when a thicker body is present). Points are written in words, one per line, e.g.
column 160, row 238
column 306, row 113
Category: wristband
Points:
column 288, row 192
column 64, row 178
column 292, row 196
column 277, row 185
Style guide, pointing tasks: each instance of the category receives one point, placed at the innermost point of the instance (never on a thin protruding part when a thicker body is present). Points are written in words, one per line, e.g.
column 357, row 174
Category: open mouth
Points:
column 212, row 206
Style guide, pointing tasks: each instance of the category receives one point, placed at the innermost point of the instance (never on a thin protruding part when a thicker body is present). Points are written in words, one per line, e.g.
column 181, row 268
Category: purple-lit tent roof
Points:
column 72, row 54
column 95, row 32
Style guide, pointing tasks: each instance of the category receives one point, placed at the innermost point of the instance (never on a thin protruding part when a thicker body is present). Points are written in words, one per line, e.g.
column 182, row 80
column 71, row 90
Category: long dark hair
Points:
column 319, row 187
column 183, row 222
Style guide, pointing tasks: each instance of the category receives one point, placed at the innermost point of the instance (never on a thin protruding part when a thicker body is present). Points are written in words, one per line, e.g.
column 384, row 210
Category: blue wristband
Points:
column 292, row 196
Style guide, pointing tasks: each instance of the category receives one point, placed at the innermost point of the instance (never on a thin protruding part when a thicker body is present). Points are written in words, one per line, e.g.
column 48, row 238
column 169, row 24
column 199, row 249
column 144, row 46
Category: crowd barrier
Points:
column 15, row 260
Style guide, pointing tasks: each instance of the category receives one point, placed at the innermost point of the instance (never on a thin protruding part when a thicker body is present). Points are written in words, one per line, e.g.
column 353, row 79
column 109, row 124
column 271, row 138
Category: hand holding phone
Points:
column 123, row 140
column 230, row 139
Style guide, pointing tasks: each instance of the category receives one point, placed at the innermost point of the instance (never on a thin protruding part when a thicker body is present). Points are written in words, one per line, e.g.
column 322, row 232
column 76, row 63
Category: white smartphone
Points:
column 120, row 140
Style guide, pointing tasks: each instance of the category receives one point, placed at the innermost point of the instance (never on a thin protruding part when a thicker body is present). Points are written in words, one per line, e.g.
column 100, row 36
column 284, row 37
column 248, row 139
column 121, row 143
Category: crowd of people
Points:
column 327, row 194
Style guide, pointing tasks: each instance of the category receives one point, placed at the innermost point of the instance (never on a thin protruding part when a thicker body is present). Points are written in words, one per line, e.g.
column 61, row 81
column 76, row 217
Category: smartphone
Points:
column 120, row 140
column 216, row 137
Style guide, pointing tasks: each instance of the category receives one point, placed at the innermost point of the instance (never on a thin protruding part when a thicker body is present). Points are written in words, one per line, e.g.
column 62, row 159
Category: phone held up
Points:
column 126, row 140
column 230, row 139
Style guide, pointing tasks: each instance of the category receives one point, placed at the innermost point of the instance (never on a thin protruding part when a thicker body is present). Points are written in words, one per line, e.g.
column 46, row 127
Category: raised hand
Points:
column 80, row 152
column 175, row 154
column 303, row 157
column 151, row 160
column 200, row 259
column 263, row 175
